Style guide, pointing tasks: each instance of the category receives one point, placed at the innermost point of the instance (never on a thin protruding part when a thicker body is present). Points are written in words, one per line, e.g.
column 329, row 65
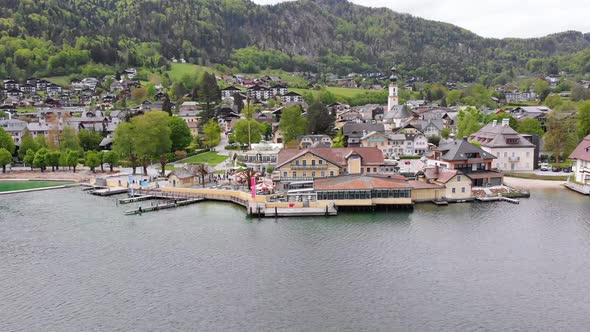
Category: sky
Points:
column 498, row 18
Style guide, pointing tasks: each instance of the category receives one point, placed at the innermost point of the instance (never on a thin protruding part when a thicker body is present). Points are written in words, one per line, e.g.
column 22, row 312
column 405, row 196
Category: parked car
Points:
column 544, row 167
column 556, row 169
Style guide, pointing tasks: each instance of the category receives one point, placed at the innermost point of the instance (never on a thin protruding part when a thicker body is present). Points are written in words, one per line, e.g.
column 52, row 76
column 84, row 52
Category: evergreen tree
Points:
column 319, row 119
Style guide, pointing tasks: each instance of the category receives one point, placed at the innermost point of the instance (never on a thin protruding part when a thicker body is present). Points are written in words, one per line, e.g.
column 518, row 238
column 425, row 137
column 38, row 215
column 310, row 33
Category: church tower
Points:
column 393, row 99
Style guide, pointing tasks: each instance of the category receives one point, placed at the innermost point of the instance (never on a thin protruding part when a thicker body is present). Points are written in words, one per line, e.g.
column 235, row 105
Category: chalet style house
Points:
column 513, row 151
column 581, row 156
column 470, row 160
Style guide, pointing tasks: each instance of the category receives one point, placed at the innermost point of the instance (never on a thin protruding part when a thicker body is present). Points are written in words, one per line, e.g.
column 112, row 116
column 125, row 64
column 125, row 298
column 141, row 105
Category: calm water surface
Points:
column 70, row 261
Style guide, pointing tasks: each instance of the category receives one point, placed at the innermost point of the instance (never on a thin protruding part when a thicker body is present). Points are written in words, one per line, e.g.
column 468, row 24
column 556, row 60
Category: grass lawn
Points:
column 343, row 92
column 177, row 70
column 23, row 185
column 287, row 77
column 59, row 80
column 211, row 158
column 532, row 176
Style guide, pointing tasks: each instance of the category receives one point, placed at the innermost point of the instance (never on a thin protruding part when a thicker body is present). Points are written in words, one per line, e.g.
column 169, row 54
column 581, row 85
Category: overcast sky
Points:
column 499, row 18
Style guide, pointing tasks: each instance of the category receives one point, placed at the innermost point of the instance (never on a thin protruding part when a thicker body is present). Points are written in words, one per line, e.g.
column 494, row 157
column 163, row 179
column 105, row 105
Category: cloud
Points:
column 499, row 19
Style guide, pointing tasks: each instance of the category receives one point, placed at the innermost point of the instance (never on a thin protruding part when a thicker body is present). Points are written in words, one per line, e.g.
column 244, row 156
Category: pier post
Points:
column 276, row 212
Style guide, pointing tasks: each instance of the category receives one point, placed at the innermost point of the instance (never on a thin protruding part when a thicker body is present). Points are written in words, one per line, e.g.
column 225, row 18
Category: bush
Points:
column 410, row 157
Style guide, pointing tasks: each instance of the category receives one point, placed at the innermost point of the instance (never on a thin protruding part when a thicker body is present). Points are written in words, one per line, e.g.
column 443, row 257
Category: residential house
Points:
column 15, row 128
column 517, row 96
column 581, row 157
column 14, row 93
column 457, row 185
column 53, row 90
column 117, row 86
column 229, row 92
column 349, row 115
column 314, row 141
column 42, row 84
column 29, row 89
column 469, row 159
column 353, row 132
column 513, row 151
column 260, row 156
column 415, row 145
column 390, row 145
column 279, row 90
column 259, row 92
column 291, row 97
column 11, row 85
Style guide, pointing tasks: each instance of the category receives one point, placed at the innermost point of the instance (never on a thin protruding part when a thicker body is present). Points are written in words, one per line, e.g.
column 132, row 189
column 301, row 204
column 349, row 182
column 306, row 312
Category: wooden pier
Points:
column 136, row 199
column 109, row 191
column 163, row 206
column 498, row 198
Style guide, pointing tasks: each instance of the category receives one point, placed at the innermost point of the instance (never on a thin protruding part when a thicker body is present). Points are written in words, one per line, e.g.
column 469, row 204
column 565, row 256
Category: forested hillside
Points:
column 60, row 37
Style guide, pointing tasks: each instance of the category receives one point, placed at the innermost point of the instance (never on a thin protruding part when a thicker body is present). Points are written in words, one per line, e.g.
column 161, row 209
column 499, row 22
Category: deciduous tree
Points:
column 5, row 158
column 92, row 160
column 6, row 141
column 292, row 123
column 212, row 133
column 180, row 133
column 530, row 126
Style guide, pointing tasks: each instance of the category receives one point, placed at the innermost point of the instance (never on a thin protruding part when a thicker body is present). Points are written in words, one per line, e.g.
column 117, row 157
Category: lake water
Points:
column 70, row 261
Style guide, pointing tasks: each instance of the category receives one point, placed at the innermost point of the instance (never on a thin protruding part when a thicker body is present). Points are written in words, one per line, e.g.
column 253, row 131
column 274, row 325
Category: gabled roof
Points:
column 230, row 88
column 357, row 129
column 398, row 112
column 457, row 150
column 582, row 151
column 495, row 135
column 337, row 156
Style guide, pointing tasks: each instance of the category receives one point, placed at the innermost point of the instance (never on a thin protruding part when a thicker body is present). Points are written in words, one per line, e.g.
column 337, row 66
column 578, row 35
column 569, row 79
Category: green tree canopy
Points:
column 212, row 133
column 5, row 158
column 6, row 141
column 583, row 119
column 530, row 126
column 152, row 136
column 319, row 119
column 111, row 158
column 89, row 139
column 560, row 137
column 92, row 160
column 180, row 133
column 247, row 131
column 292, row 123
column 27, row 143
column 125, row 143
column 469, row 122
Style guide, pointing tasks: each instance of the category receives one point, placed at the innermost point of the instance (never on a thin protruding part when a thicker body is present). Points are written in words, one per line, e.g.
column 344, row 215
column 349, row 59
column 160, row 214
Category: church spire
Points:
column 392, row 99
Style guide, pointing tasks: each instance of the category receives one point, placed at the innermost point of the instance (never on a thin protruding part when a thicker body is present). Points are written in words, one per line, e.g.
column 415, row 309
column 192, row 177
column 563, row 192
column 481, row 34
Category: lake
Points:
column 73, row 262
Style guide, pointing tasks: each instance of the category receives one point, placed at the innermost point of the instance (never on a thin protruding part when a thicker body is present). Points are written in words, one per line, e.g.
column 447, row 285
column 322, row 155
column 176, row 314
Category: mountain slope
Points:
column 332, row 35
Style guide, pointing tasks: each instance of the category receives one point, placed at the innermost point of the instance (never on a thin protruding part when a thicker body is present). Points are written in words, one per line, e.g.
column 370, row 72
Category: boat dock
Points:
column 163, row 206
column 135, row 199
column 498, row 198
column 109, row 191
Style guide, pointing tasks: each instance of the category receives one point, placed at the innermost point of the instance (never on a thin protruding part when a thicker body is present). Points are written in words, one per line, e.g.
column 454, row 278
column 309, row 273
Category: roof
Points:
column 181, row 174
column 359, row 182
column 360, row 129
column 582, row 151
column 457, row 150
column 496, row 135
column 337, row 156
column 423, row 185
column 398, row 112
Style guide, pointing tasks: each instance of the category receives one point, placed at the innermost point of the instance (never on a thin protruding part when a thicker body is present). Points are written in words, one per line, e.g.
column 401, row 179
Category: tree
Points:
column 125, row 143
column 530, row 126
column 40, row 160
column 180, row 133
column 292, row 123
column 445, row 133
column 69, row 140
column 319, row 119
column 239, row 101
column 72, row 159
column 163, row 161
column 209, row 95
column 560, row 137
column 247, row 131
column 338, row 141
column 267, row 130
column 583, row 119
column 29, row 158
column 469, row 122
column 139, row 94
column 541, row 88
column 152, row 136
column 212, row 133
column 201, row 170
column 553, row 101
column 167, row 105
column 89, row 139
column 6, row 141
column 53, row 160
column 27, row 143
column 111, row 158
column 434, row 140
column 41, row 141
column 92, row 160
column 5, row 158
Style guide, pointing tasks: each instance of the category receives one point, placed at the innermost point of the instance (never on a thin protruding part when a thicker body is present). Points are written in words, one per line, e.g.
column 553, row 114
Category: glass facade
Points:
column 363, row 194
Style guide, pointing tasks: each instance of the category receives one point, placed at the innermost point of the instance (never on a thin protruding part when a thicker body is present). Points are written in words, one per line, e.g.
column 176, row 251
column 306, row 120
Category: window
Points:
column 313, row 162
column 285, row 174
column 304, row 162
column 505, row 154
column 458, row 178
column 463, row 189
column 454, row 190
column 331, row 173
column 368, row 169
column 323, row 173
column 304, row 174
column 528, row 154
column 294, row 174
column 321, row 162
column 297, row 162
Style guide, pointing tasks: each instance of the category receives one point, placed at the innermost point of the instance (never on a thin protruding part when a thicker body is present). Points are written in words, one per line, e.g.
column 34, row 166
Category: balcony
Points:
column 514, row 159
column 290, row 179
column 306, row 167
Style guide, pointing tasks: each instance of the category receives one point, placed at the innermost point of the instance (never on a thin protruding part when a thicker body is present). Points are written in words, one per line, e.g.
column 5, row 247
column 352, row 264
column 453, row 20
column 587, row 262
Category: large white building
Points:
column 514, row 152
column 581, row 156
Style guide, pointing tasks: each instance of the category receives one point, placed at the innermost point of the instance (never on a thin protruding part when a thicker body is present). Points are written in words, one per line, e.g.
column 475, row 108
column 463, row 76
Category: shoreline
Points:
column 520, row 183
